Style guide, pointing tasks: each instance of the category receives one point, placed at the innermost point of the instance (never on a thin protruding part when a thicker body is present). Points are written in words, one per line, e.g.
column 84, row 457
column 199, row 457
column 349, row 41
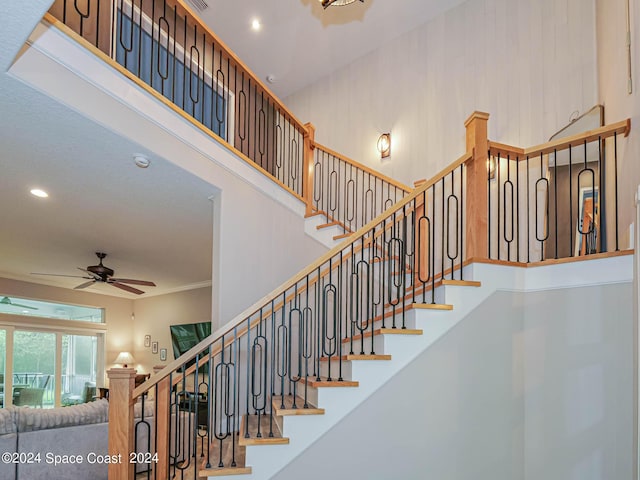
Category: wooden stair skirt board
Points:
column 287, row 410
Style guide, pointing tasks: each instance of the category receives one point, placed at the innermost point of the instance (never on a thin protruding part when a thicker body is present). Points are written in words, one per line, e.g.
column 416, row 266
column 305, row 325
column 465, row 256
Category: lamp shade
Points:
column 124, row 358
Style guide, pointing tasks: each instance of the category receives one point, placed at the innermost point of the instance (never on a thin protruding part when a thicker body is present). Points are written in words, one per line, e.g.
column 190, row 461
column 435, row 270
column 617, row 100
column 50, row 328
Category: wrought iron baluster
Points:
column 508, row 238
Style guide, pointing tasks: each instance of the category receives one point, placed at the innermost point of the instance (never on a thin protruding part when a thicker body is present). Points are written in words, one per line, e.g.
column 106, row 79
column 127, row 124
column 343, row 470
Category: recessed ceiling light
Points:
column 256, row 25
column 37, row 192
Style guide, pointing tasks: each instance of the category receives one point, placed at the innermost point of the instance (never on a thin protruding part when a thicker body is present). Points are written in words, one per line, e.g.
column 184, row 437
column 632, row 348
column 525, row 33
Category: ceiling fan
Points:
column 102, row 274
column 7, row 301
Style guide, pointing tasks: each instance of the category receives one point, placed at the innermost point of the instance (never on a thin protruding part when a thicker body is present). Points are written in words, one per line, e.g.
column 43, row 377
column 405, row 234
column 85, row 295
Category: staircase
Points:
column 344, row 383
column 404, row 267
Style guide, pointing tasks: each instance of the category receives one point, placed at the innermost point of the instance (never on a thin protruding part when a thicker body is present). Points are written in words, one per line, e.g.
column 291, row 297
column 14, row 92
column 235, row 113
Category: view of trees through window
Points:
column 34, row 368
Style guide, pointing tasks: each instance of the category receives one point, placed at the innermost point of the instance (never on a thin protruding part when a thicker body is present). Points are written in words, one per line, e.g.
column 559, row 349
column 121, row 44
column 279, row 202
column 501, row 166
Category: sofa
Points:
column 69, row 442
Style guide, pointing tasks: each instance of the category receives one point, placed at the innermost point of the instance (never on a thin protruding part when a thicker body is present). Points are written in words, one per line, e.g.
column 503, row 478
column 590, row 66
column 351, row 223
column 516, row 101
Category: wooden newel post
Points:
column 121, row 384
column 307, row 167
column 476, row 188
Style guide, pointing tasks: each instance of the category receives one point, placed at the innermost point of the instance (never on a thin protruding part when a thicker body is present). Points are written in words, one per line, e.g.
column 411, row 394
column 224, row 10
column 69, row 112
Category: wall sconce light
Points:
column 124, row 358
column 384, row 145
column 491, row 167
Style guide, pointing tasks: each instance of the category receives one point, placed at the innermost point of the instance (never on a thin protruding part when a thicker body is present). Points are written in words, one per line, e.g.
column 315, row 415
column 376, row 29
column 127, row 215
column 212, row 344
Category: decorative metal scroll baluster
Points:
column 296, row 328
column 587, row 232
column 142, row 429
column 223, row 405
column 347, row 194
column 330, row 320
column 453, row 237
column 543, row 182
column 259, row 355
column 615, row 171
column 556, row 194
column 508, row 234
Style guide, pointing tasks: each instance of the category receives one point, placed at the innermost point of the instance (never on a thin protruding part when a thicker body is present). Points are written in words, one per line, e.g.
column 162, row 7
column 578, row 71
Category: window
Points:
column 37, row 308
column 51, row 354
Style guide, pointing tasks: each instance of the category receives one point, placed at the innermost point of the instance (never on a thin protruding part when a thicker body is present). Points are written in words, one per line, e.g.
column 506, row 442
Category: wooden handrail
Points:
column 239, row 320
column 363, row 167
column 621, row 128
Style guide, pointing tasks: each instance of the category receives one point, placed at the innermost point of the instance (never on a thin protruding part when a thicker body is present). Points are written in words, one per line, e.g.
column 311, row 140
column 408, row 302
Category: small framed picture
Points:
column 154, row 347
column 147, row 340
column 163, row 354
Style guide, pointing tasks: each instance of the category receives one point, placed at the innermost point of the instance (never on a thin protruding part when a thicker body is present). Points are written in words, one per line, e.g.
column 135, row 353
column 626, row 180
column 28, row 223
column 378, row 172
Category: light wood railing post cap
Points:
column 309, row 130
column 120, row 373
column 476, row 116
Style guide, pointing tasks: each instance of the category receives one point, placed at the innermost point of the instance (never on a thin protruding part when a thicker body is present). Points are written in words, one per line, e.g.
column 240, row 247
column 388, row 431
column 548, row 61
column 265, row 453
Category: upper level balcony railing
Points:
column 163, row 47
column 162, row 43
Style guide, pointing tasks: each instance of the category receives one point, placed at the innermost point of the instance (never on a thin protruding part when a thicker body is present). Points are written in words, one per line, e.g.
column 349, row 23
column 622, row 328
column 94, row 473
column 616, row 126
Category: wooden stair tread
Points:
column 386, row 331
column 351, row 357
column 268, row 425
column 222, row 472
column 324, row 383
column 344, row 235
column 327, row 225
column 288, row 409
column 432, row 306
column 227, row 458
column 315, row 213
column 462, row 283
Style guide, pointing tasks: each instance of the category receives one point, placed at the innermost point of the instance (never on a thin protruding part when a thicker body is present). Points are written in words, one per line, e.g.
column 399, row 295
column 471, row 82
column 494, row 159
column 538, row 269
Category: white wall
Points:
column 578, row 383
column 154, row 315
column 613, row 94
column 529, row 63
column 528, row 386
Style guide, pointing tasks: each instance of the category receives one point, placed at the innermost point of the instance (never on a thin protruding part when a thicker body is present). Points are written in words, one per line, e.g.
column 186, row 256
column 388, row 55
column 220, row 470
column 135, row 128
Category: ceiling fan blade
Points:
column 84, row 285
column 59, row 275
column 133, row 282
column 93, row 275
column 126, row 287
